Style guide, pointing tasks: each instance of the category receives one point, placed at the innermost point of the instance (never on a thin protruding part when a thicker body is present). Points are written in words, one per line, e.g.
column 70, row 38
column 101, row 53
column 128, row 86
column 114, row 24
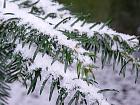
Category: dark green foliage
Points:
column 62, row 95
column 34, row 77
column 105, row 90
column 4, row 92
column 77, row 98
column 27, row 4
column 13, row 67
column 4, row 5
column 80, row 17
column 104, row 43
column 55, row 83
column 10, row 31
column 63, row 21
column 43, row 84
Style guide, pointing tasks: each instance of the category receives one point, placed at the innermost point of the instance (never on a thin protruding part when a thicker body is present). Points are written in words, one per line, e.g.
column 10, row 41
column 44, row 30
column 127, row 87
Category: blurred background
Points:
column 125, row 14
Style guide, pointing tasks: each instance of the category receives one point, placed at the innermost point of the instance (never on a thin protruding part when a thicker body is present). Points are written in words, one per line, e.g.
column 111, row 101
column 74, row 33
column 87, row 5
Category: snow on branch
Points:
column 61, row 50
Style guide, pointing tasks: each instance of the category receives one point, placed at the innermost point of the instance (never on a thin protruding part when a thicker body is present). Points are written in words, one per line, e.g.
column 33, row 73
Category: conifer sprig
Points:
column 13, row 66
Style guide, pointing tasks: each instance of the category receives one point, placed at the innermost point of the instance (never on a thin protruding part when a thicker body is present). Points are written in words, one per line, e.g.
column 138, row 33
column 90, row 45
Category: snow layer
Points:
column 51, row 7
column 129, row 92
column 57, row 69
column 45, row 28
column 20, row 98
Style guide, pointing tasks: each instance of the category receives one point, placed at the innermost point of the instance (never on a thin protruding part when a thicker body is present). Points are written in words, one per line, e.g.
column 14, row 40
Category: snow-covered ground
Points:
column 129, row 92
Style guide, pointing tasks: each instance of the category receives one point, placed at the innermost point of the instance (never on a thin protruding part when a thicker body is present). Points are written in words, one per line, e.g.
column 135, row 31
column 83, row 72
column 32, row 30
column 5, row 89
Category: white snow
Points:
column 70, row 78
column 42, row 26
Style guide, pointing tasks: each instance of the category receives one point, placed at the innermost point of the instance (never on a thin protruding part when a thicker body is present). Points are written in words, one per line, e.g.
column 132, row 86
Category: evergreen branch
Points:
column 103, row 44
column 17, row 67
column 44, row 44
column 13, row 32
